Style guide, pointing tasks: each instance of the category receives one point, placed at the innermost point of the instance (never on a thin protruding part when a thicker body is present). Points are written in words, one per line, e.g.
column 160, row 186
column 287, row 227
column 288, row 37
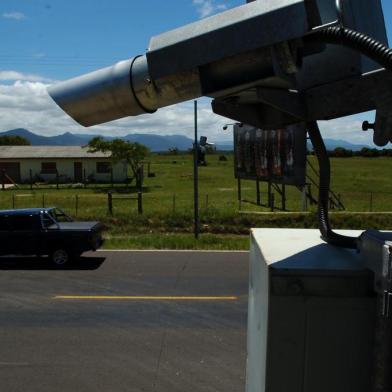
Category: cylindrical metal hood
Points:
column 100, row 96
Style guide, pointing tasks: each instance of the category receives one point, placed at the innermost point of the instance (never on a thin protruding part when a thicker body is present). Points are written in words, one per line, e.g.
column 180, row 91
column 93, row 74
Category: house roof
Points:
column 48, row 152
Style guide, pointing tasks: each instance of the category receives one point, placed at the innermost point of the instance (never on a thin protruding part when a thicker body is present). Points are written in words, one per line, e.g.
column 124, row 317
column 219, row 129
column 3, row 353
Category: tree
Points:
column 11, row 140
column 340, row 152
column 369, row 152
column 121, row 151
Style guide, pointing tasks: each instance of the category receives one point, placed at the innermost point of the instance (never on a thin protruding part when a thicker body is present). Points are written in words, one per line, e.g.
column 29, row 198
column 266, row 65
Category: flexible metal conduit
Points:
column 376, row 51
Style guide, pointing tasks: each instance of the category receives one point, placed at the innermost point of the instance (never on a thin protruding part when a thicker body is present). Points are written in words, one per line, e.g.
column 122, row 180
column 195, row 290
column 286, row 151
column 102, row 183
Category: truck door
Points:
column 24, row 234
column 4, row 235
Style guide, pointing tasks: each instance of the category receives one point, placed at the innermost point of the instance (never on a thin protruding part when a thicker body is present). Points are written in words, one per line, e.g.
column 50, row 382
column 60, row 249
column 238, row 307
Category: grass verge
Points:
column 178, row 242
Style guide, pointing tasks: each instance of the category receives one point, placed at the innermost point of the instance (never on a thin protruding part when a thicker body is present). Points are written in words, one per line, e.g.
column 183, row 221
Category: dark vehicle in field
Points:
column 47, row 231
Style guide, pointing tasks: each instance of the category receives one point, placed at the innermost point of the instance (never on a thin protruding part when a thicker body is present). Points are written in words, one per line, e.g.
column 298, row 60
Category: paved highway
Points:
column 125, row 321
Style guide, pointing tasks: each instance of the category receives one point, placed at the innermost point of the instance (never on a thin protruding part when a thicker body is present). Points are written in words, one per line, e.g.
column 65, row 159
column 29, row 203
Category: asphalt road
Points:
column 125, row 321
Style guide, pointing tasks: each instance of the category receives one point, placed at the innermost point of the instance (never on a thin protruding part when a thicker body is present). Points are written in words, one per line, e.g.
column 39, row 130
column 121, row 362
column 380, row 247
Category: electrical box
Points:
column 312, row 314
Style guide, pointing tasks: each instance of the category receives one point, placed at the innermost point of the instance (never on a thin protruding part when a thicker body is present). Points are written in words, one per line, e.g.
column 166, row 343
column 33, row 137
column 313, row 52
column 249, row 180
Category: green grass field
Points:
column 363, row 183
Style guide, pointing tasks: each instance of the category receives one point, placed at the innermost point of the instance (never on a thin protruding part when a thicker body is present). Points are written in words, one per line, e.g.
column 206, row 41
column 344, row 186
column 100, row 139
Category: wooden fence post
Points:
column 272, row 202
column 110, row 203
column 283, row 197
column 139, row 202
column 31, row 180
column 304, row 199
column 269, row 193
column 3, row 179
column 76, row 204
column 371, row 202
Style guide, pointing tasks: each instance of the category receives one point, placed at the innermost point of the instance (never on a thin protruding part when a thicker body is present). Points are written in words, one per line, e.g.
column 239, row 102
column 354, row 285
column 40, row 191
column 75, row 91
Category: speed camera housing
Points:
column 257, row 63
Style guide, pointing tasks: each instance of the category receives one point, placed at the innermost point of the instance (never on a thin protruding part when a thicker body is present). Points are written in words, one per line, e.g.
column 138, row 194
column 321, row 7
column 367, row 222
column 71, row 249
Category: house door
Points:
column 78, row 171
column 11, row 171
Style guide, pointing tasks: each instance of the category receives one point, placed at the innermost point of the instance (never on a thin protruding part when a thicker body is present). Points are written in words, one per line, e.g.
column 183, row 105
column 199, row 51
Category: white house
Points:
column 70, row 163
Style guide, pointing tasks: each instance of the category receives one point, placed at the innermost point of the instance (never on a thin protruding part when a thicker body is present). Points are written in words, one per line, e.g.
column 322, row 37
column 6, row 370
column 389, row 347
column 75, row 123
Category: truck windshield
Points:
column 59, row 215
column 48, row 220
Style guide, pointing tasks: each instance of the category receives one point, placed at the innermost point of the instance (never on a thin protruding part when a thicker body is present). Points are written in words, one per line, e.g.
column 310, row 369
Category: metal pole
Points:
column 139, row 182
column 31, row 180
column 196, row 177
column 239, row 188
column 284, row 197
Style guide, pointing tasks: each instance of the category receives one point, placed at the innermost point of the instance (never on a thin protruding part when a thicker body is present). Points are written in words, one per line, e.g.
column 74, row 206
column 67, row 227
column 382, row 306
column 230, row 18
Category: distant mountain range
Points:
column 153, row 142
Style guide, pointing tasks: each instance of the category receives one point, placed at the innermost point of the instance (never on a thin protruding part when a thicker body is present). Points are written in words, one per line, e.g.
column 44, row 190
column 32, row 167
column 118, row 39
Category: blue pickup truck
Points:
column 47, row 231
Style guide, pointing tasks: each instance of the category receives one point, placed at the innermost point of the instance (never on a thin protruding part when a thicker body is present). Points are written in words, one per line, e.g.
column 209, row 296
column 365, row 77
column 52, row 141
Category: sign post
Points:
column 196, row 177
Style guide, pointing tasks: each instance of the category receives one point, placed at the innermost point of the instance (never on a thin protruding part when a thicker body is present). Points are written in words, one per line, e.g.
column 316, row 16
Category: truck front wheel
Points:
column 60, row 257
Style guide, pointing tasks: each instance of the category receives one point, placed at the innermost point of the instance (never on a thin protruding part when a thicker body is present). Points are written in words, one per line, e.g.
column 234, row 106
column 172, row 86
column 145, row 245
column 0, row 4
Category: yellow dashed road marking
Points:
column 144, row 298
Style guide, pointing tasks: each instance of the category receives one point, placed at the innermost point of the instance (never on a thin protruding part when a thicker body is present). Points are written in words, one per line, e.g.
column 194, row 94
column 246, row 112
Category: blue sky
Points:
column 60, row 39
column 47, row 40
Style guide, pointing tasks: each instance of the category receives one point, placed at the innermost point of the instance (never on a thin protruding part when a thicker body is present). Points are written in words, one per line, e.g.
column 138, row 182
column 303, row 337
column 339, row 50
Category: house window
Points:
column 104, row 168
column 48, row 168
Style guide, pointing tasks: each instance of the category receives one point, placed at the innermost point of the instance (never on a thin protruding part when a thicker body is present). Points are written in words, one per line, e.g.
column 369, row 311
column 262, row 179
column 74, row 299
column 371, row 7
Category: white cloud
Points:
column 15, row 15
column 14, row 75
column 208, row 7
column 25, row 103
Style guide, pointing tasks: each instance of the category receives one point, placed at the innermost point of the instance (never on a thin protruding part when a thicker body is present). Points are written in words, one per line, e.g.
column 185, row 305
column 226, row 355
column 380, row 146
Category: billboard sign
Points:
column 277, row 156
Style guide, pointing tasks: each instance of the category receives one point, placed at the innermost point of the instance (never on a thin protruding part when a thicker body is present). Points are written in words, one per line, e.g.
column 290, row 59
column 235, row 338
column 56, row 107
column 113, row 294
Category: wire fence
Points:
column 93, row 204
